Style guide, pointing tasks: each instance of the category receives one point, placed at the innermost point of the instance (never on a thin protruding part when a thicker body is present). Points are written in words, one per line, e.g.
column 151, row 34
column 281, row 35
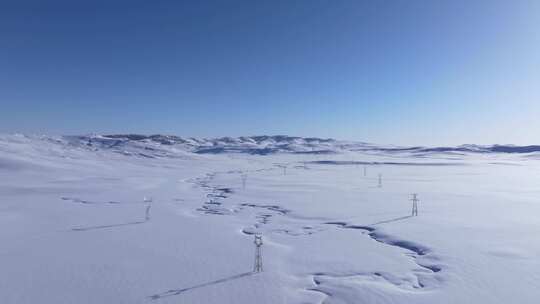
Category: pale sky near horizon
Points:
column 407, row 72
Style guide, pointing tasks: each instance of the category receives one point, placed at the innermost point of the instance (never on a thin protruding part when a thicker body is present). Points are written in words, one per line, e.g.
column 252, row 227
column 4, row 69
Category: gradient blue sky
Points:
column 404, row 72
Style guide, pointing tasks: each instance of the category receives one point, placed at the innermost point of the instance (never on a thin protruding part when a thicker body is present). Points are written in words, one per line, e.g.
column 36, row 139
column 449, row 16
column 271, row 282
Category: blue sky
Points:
column 403, row 72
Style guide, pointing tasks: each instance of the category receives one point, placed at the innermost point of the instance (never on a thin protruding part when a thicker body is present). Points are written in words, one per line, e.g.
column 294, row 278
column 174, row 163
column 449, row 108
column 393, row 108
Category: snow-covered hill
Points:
column 173, row 146
column 163, row 219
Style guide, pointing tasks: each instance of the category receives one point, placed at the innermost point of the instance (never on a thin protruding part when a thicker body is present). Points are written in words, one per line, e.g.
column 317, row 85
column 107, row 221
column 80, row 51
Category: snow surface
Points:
column 124, row 219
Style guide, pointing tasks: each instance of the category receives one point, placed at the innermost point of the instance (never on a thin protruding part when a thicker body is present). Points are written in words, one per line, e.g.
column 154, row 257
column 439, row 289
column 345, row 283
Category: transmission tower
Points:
column 258, row 266
column 282, row 166
column 415, row 201
column 365, row 171
column 244, row 178
column 147, row 212
column 380, row 181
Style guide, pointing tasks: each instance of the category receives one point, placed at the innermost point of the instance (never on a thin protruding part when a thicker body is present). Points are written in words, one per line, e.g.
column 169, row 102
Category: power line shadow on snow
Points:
column 175, row 292
column 392, row 220
column 146, row 219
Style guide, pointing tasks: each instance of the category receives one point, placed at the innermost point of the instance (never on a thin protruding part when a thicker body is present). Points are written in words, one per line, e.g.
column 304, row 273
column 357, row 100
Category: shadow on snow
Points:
column 175, row 292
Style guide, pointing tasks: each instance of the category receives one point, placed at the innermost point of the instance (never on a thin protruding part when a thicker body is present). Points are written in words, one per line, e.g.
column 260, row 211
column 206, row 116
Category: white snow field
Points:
column 128, row 219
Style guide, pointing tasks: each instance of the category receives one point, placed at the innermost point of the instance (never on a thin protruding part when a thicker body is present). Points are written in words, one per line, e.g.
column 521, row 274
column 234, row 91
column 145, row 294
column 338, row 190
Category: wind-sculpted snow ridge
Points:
column 416, row 249
column 425, row 277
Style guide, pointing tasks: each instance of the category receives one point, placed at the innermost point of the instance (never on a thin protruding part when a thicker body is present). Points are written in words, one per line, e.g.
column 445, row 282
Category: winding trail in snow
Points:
column 420, row 254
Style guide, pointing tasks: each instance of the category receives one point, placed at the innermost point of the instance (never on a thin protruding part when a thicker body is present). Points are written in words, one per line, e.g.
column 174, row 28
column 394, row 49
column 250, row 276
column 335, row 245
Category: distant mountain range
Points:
column 281, row 143
column 172, row 146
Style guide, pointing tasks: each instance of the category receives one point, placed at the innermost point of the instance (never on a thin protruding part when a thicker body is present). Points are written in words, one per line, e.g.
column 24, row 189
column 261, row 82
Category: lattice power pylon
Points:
column 415, row 201
column 258, row 266
column 244, row 179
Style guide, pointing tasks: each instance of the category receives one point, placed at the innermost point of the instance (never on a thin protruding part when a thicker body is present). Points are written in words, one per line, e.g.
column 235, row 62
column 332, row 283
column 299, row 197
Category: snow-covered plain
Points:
column 120, row 219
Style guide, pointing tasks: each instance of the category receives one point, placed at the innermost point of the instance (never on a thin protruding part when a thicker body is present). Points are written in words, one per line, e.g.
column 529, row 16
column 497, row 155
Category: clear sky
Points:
column 425, row 72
